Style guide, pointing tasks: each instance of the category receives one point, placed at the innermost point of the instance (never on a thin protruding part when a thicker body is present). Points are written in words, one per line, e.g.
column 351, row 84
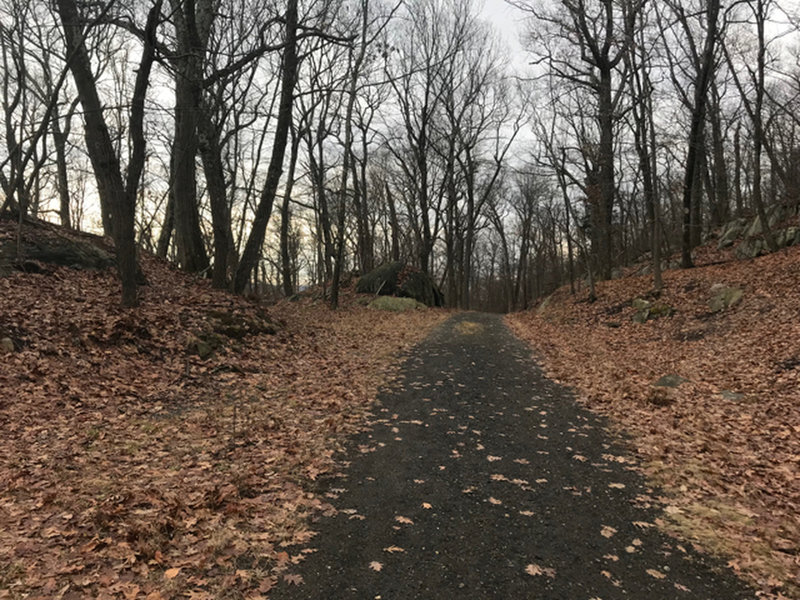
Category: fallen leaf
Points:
column 656, row 574
column 535, row 570
column 293, row 579
column 403, row 520
column 681, row 587
column 375, row 565
column 607, row 531
column 392, row 549
column 172, row 573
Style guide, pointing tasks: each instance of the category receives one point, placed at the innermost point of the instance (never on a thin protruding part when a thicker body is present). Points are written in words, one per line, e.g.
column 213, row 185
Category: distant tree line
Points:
column 272, row 145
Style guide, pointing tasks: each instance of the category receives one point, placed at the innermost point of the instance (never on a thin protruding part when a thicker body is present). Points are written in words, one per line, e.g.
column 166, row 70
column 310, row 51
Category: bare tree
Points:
column 119, row 195
column 583, row 42
column 754, row 105
column 255, row 240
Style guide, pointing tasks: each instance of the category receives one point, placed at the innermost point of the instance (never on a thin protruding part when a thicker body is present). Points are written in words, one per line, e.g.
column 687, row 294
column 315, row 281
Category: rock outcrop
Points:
column 751, row 232
column 405, row 281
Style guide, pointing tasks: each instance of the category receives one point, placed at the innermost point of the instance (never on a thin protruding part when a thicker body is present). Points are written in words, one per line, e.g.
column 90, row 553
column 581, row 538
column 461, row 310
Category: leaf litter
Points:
column 134, row 468
column 724, row 445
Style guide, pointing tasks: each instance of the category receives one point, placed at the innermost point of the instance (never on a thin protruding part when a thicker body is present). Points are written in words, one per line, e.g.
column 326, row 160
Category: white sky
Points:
column 508, row 21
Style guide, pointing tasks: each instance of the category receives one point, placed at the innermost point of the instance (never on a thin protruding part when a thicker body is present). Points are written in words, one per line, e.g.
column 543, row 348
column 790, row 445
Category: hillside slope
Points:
column 165, row 451
column 721, row 434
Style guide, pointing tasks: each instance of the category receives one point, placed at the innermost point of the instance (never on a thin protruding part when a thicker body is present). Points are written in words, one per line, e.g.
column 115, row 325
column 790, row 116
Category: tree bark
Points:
column 188, row 72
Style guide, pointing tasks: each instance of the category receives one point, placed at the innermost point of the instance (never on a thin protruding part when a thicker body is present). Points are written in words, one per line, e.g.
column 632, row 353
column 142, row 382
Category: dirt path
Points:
column 483, row 480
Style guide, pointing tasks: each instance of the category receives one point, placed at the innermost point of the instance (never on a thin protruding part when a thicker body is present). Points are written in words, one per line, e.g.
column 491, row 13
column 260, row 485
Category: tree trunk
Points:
column 696, row 128
column 121, row 198
column 62, row 175
column 211, row 154
column 255, row 241
column 606, row 172
column 189, row 242
column 394, row 225
column 354, row 65
column 737, row 173
column 287, row 275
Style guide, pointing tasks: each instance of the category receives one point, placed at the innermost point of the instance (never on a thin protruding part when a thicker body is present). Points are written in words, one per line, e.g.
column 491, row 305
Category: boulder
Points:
column 544, row 305
column 754, row 228
column 751, row 248
column 6, row 345
column 787, row 237
column 776, row 214
column 44, row 243
column 381, row 280
column 671, row 381
column 647, row 311
column 730, row 233
column 419, row 286
column 724, row 297
column 399, row 279
column 732, row 396
column 203, row 345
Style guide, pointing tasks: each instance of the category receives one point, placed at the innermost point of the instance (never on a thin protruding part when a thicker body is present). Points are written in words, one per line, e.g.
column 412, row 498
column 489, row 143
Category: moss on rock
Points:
column 395, row 304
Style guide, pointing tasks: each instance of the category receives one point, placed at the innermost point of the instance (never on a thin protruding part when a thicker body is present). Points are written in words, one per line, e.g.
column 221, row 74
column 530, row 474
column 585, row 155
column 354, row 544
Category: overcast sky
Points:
column 509, row 22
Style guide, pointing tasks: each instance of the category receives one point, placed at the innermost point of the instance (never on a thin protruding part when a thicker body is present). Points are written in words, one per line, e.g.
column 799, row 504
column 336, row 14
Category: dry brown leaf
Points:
column 607, row 531
column 293, row 579
column 536, row 570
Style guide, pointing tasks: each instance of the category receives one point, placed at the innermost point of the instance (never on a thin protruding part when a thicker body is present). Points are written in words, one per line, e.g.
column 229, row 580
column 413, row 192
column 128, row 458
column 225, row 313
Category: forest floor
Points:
column 724, row 446
column 133, row 468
